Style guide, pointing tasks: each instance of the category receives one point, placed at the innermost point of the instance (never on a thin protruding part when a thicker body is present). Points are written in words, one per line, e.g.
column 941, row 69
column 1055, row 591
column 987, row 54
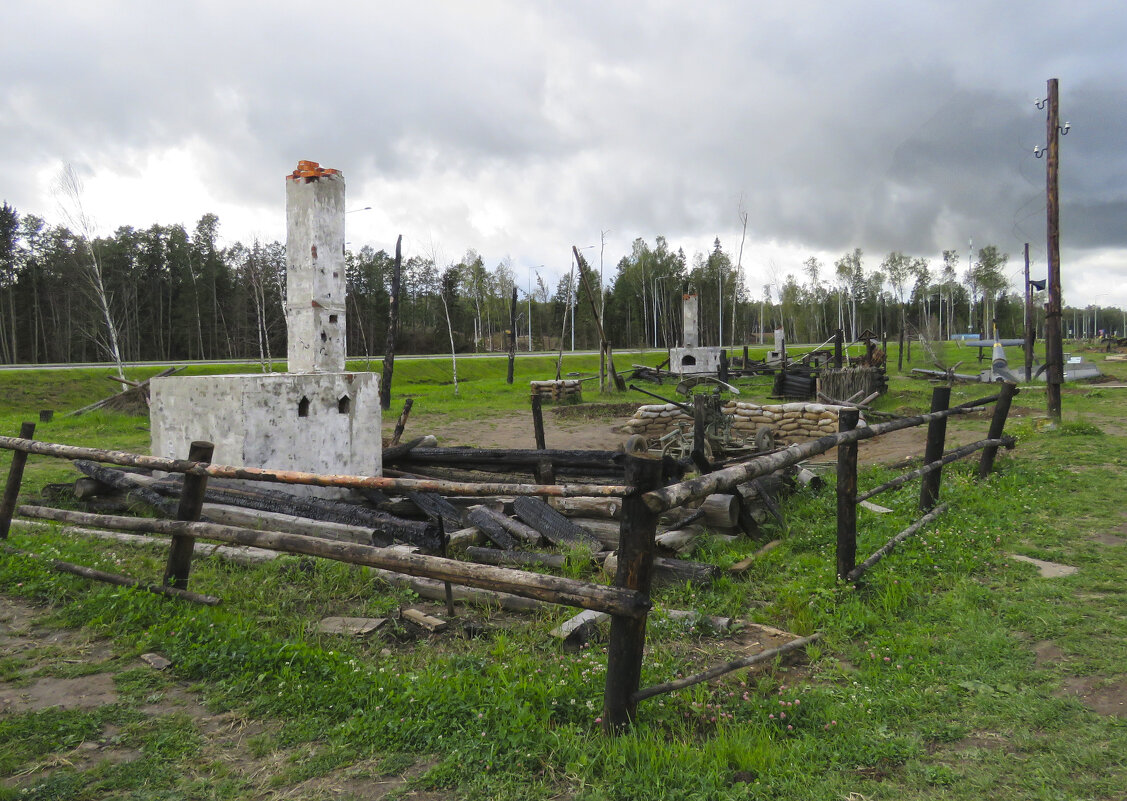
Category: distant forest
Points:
column 167, row 293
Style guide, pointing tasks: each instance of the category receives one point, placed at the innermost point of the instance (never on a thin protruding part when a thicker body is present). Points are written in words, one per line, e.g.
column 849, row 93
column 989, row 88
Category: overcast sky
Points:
column 520, row 129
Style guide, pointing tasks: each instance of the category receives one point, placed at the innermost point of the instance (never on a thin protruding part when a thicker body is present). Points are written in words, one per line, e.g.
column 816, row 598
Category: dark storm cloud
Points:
column 878, row 125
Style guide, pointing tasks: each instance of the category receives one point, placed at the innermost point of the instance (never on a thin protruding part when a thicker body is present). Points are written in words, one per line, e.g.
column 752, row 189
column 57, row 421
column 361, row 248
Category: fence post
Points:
column 846, row 495
column 839, row 341
column 635, row 572
column 700, row 423
column 538, row 421
column 191, row 503
column 933, row 451
column 15, row 479
column 997, row 428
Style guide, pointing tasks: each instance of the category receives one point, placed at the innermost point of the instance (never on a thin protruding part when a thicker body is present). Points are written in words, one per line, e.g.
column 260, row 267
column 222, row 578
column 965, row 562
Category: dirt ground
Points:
column 228, row 735
column 513, row 429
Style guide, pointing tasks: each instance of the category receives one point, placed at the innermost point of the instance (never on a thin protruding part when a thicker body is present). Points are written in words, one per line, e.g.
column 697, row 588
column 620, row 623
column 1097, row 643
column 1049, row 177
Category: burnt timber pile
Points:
column 497, row 529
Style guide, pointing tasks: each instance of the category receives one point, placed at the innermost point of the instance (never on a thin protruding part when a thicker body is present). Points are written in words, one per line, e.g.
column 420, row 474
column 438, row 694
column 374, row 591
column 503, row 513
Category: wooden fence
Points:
column 643, row 495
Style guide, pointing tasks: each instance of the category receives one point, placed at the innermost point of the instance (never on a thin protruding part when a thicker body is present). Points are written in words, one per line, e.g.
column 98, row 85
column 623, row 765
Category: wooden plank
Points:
column 515, row 527
column 351, row 626
column 556, row 528
column 482, row 517
column 423, row 620
column 578, row 631
column 846, row 547
column 436, row 507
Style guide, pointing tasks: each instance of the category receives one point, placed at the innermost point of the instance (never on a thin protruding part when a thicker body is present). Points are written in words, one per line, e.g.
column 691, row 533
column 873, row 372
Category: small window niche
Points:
column 688, row 361
column 333, row 319
column 303, row 407
column 344, row 405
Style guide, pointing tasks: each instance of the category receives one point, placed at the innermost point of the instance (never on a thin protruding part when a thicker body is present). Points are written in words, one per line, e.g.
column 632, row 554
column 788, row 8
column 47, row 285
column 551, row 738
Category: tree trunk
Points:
column 393, row 329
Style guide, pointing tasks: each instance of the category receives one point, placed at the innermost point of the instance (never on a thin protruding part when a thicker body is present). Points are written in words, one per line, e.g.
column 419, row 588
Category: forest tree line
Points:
column 173, row 293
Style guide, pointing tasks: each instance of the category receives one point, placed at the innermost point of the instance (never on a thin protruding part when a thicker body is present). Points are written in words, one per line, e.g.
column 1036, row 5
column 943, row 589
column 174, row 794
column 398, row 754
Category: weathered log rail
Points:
column 188, row 467
column 553, row 589
column 726, row 479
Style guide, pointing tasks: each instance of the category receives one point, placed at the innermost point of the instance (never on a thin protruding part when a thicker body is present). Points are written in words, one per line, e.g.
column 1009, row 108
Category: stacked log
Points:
column 569, row 390
column 791, row 422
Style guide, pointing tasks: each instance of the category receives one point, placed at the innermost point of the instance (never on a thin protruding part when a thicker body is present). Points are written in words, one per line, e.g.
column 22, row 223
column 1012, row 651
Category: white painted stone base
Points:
column 313, row 422
column 686, row 361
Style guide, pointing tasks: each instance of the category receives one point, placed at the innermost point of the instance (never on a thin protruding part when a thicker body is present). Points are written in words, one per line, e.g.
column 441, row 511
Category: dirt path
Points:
column 36, row 654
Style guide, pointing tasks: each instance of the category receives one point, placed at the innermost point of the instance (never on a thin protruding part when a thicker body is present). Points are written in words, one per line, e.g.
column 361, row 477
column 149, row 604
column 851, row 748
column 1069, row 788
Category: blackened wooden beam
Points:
column 997, row 426
column 933, row 449
column 846, row 496
column 627, row 643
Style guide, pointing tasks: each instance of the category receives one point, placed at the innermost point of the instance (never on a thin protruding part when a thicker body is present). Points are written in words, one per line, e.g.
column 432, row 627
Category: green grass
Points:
column 924, row 686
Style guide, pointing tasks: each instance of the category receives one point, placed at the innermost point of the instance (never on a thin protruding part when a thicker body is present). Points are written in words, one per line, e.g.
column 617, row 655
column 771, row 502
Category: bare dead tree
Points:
column 446, row 310
column 68, row 192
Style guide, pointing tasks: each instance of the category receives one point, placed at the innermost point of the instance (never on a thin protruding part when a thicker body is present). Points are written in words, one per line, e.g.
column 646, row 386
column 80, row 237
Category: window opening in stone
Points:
column 303, row 407
column 344, row 405
column 688, row 361
column 332, row 318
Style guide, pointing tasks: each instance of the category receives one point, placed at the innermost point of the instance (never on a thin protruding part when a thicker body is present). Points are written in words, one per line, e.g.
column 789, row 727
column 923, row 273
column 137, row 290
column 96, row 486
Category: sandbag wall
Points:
column 565, row 391
column 791, row 422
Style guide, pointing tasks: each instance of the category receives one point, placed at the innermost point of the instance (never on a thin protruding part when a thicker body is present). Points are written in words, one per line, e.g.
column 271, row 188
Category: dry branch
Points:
column 886, row 549
column 720, row 670
column 114, row 578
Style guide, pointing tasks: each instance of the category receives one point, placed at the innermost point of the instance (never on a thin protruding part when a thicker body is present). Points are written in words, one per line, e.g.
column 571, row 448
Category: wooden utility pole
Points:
column 1054, row 347
column 393, row 330
column 1028, row 320
column 604, row 345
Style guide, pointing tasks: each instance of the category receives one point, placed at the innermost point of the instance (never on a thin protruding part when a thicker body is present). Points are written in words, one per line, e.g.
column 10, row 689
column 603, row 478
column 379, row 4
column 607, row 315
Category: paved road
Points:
column 374, row 359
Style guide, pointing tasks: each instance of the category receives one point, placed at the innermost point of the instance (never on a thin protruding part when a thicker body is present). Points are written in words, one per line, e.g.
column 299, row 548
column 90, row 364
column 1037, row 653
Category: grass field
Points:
column 952, row 672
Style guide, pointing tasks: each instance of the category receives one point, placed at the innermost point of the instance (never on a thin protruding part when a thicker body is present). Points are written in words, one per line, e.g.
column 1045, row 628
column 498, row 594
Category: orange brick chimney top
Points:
column 311, row 169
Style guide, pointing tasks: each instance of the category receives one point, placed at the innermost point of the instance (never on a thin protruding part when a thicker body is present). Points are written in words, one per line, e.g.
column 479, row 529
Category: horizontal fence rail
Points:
column 188, row 467
column 553, row 589
column 726, row 479
column 948, row 458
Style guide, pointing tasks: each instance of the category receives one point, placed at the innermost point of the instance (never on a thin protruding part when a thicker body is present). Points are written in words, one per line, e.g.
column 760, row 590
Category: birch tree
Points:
column 68, row 191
